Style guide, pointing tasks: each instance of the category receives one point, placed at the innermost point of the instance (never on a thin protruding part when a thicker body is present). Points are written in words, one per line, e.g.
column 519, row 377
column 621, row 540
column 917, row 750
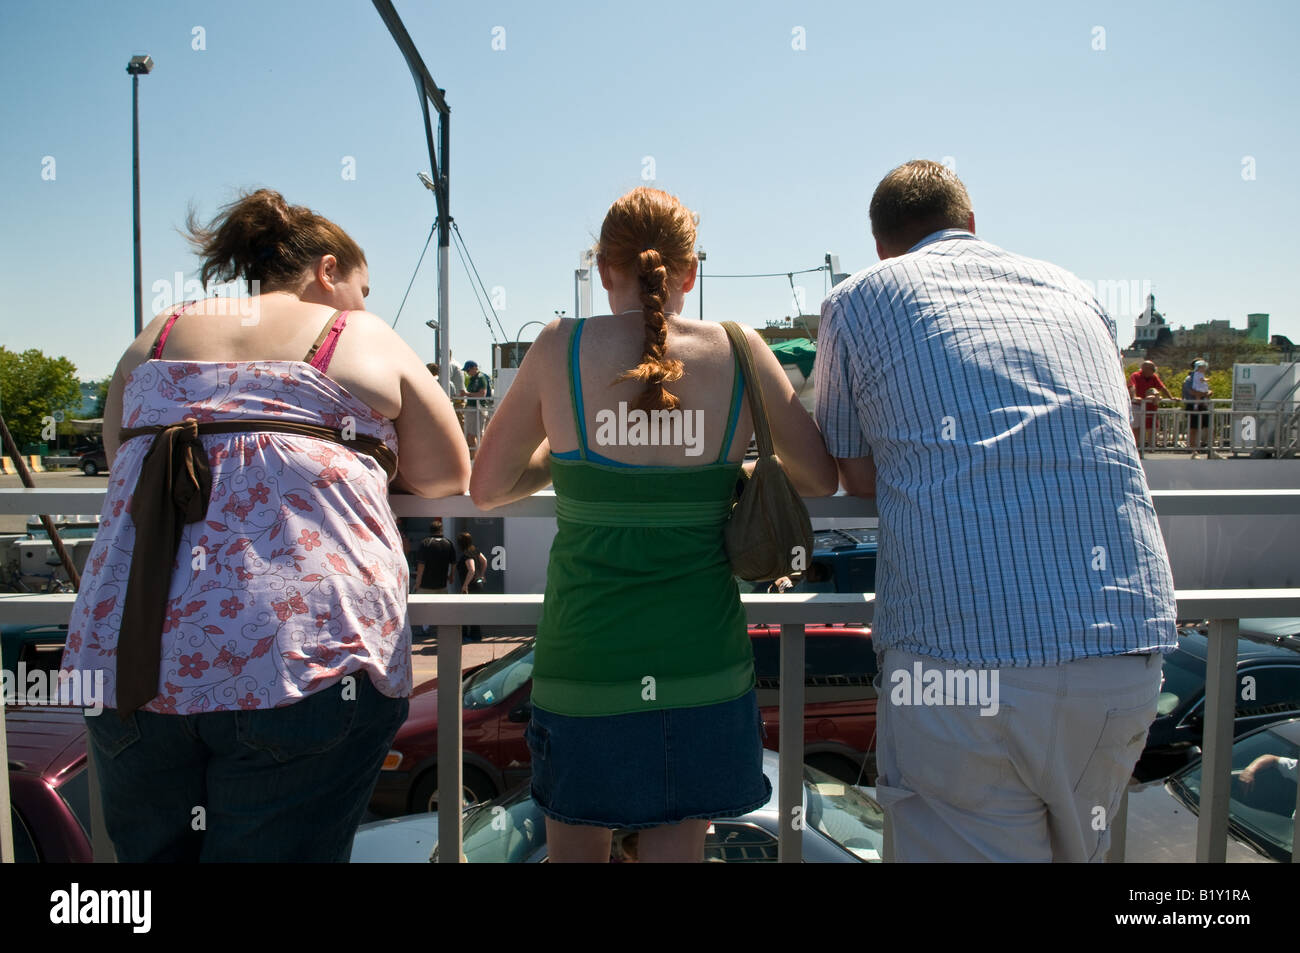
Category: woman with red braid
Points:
column 644, row 714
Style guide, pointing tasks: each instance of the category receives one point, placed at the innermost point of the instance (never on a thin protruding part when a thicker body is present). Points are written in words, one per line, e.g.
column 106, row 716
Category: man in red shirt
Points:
column 1140, row 382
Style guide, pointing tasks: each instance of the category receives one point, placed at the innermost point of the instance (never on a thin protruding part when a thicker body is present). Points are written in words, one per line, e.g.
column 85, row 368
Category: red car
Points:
column 49, row 790
column 839, row 719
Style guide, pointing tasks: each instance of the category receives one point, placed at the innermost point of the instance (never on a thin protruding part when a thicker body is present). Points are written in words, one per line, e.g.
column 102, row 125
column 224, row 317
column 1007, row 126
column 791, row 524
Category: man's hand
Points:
column 1247, row 777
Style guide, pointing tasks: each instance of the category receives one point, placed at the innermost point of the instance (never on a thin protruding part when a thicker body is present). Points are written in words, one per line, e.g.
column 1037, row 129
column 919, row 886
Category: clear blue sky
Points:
column 1122, row 164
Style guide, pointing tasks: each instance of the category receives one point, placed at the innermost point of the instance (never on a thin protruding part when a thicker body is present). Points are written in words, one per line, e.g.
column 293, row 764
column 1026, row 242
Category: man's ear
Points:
column 970, row 223
column 880, row 251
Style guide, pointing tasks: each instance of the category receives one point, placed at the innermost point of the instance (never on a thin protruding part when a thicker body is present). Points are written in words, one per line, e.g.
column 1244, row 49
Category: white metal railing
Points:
column 1272, row 430
column 792, row 612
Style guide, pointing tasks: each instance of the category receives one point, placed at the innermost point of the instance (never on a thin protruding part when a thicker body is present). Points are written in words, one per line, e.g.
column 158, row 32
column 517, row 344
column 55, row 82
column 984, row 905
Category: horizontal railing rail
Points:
column 1278, row 502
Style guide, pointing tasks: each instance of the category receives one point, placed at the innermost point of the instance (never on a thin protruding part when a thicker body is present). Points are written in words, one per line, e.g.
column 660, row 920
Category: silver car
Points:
column 843, row 824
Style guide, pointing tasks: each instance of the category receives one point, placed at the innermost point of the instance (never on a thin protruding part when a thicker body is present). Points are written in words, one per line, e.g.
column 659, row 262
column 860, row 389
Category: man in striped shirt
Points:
column 1024, row 597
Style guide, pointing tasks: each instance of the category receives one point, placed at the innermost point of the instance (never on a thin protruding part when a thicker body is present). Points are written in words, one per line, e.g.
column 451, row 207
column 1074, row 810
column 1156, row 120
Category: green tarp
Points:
column 800, row 352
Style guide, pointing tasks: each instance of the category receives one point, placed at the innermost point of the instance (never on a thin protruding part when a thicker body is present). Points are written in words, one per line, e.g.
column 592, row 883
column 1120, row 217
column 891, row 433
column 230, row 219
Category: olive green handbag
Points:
column 768, row 534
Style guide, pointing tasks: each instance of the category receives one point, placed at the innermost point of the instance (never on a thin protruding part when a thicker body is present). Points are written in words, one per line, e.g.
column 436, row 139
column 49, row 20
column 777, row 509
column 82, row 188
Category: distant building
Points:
column 1151, row 329
column 1257, row 327
column 1222, row 331
column 789, row 329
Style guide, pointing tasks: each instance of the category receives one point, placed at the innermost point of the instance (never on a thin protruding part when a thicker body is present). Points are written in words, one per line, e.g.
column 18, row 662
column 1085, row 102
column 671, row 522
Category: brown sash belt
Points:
column 174, row 488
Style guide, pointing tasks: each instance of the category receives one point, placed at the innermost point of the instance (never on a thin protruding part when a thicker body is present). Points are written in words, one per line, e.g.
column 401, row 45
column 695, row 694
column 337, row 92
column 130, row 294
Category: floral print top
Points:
column 295, row 579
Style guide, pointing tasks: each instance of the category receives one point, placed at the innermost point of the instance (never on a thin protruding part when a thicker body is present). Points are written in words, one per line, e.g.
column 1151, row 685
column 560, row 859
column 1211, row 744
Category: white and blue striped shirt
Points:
column 1016, row 526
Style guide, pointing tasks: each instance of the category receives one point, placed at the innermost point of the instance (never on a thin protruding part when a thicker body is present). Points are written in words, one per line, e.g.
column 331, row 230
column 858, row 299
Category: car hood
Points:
column 1162, row 830
column 400, row 840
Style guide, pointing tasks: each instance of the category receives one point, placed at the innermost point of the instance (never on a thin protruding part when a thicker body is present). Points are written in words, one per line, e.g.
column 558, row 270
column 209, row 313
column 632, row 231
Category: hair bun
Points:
column 261, row 237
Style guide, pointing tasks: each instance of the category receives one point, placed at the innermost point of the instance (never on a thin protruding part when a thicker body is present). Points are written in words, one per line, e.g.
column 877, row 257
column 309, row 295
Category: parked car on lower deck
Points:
column 839, row 719
column 49, row 790
column 842, row 825
column 1268, row 690
column 1162, row 818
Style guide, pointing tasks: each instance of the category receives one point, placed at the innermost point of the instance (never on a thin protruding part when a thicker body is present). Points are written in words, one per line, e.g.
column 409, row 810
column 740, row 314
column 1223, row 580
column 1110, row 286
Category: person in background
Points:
column 246, row 592
column 1196, row 401
column 434, row 560
column 478, row 396
column 644, row 713
column 1141, row 384
column 457, row 379
column 471, row 571
column 1019, row 554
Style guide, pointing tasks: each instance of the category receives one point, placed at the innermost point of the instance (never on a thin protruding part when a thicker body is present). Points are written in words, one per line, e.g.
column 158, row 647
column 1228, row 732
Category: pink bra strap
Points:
column 161, row 340
column 322, row 352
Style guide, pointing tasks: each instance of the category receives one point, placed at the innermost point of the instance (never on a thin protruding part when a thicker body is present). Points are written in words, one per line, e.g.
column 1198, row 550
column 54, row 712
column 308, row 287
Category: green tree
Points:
column 101, row 395
column 32, row 387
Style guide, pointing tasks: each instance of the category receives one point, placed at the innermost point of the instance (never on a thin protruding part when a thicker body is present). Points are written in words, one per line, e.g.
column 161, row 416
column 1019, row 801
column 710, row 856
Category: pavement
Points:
column 424, row 651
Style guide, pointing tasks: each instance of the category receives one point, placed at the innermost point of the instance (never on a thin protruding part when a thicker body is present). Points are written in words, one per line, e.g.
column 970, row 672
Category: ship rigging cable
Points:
column 460, row 250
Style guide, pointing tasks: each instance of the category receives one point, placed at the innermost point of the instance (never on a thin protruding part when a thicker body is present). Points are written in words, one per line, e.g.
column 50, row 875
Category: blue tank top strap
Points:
column 575, row 389
column 737, row 395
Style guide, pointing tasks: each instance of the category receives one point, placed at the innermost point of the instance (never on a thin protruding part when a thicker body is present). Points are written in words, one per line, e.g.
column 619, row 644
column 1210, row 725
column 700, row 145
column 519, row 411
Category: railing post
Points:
column 790, row 756
column 1216, row 742
column 450, row 729
column 101, row 847
column 1119, row 830
column 6, row 820
column 1295, row 828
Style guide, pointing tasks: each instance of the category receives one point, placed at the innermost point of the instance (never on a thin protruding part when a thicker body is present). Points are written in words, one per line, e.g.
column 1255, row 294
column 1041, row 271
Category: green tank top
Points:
column 641, row 610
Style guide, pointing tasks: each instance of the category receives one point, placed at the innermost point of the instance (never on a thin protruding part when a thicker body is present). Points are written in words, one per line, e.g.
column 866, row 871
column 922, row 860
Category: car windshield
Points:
column 1184, row 679
column 844, row 814
column 512, row 829
column 499, row 678
column 508, row 831
column 1262, row 804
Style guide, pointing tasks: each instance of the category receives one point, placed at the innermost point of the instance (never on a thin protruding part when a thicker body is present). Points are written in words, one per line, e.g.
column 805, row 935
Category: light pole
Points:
column 700, row 280
column 139, row 66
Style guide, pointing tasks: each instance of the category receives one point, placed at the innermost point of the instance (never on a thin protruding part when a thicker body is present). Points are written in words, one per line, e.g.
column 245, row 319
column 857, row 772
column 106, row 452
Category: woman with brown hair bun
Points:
column 246, row 594
column 644, row 714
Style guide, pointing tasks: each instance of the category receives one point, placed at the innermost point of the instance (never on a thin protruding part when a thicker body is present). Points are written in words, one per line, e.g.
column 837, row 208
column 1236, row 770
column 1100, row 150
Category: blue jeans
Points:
column 285, row 784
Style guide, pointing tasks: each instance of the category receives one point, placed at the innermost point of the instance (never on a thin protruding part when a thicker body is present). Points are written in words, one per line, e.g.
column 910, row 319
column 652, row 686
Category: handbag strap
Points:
column 757, row 408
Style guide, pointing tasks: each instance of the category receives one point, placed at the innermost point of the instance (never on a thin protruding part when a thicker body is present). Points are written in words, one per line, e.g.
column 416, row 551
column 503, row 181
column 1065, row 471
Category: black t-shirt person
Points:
column 436, row 554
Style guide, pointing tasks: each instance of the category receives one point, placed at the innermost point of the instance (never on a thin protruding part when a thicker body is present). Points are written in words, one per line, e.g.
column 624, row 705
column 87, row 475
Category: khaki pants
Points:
column 1037, row 777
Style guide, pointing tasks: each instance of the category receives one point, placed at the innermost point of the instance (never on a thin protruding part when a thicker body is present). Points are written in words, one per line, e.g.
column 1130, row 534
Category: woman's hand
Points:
column 514, row 457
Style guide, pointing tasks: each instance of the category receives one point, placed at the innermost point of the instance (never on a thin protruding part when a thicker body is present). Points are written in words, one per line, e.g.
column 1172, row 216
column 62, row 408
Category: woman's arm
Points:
column 795, row 436
column 514, row 457
column 433, row 458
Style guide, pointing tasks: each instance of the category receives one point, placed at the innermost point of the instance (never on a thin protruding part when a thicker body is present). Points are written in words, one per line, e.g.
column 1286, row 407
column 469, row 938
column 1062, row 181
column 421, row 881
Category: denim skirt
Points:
column 646, row 769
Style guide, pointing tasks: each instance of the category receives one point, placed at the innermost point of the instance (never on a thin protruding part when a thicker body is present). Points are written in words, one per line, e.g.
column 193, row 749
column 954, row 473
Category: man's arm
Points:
column 858, row 475
column 836, row 408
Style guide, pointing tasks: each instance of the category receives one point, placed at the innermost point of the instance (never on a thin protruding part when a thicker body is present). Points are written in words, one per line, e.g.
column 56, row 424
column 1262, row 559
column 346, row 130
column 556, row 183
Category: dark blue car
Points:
column 1268, row 690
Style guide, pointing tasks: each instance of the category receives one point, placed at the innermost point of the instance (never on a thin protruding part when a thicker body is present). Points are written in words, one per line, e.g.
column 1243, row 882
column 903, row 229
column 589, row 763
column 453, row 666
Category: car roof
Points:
column 834, row 540
column 44, row 741
column 1255, row 641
